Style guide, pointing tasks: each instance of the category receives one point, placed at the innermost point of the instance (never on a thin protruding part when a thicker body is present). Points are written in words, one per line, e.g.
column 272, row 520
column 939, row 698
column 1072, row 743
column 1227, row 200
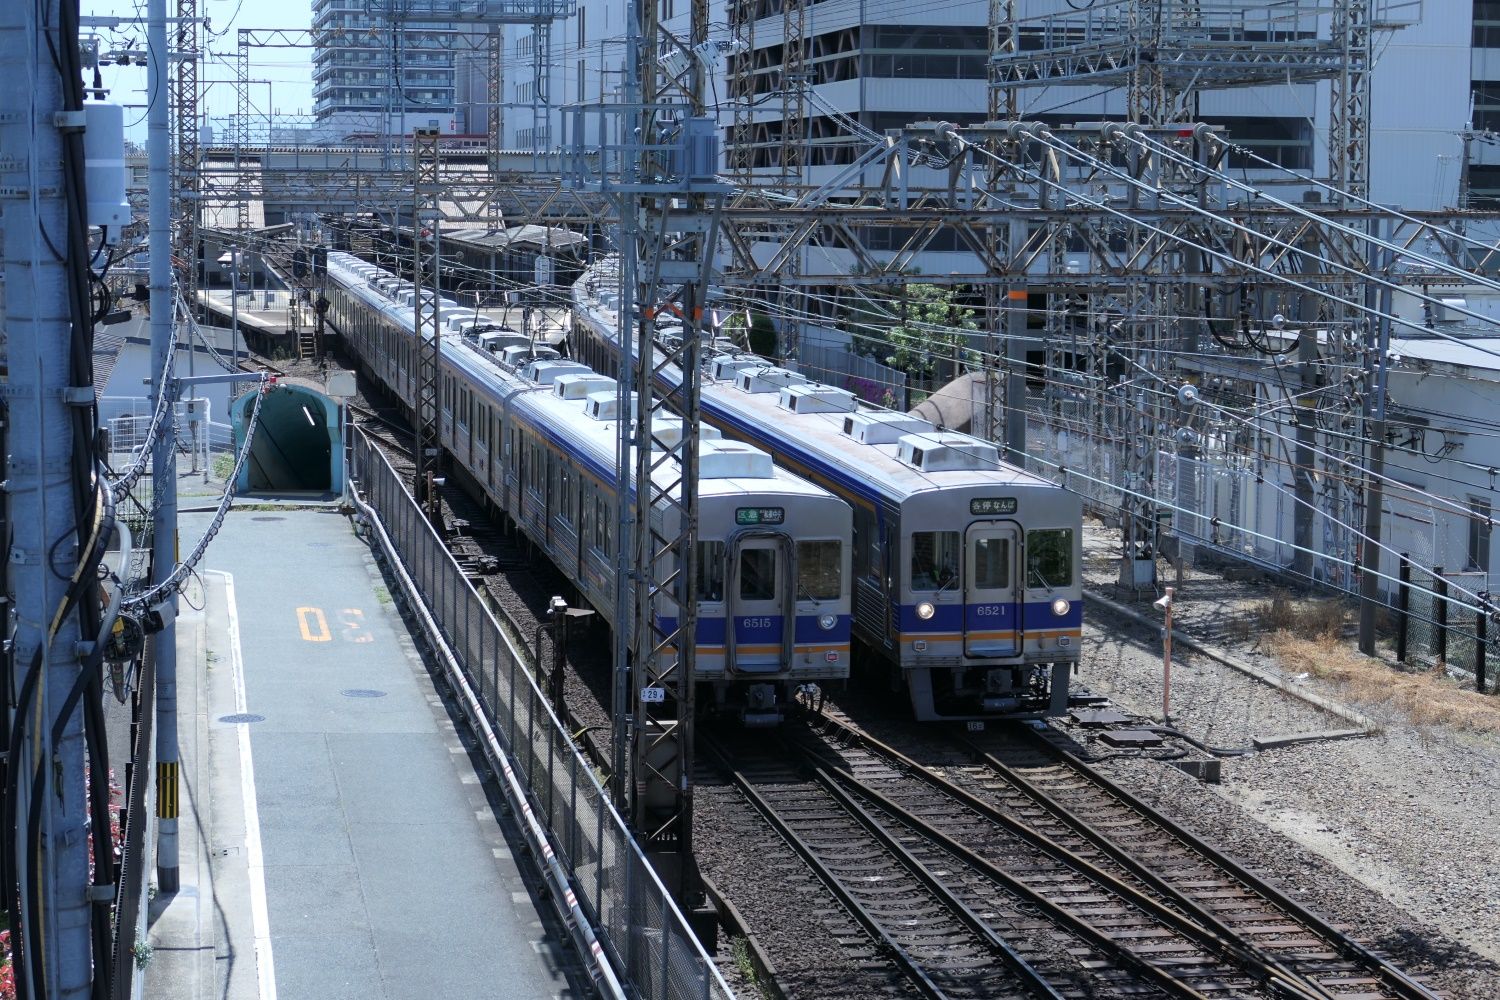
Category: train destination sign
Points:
column 980, row 506
column 759, row 515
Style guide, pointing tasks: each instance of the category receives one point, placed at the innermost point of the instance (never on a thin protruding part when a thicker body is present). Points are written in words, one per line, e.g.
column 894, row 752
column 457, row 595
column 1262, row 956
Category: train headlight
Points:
column 1061, row 606
column 925, row 611
column 827, row 622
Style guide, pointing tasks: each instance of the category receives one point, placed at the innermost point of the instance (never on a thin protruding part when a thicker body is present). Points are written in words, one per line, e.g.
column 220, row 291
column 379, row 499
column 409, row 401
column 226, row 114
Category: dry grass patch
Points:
column 1427, row 698
column 1307, row 617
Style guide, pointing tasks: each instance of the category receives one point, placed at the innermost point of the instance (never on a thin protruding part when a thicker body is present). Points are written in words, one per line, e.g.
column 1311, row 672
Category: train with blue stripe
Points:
column 537, row 435
column 967, row 570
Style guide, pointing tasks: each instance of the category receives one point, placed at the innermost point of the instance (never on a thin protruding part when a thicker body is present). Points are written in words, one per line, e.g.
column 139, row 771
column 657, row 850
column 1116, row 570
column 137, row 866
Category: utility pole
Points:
column 1303, row 488
column 164, row 451
column 1378, row 339
column 49, row 860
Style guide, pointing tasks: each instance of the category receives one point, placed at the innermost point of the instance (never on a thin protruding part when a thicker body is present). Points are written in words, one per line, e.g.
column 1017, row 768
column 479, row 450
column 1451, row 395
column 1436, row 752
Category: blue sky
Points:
column 288, row 70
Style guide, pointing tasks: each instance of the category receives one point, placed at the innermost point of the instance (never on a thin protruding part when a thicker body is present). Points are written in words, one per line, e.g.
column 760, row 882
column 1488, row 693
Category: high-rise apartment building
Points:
column 376, row 73
column 867, row 67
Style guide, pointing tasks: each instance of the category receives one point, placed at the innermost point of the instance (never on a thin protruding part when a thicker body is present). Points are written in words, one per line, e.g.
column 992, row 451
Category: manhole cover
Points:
column 362, row 693
column 239, row 717
column 269, row 517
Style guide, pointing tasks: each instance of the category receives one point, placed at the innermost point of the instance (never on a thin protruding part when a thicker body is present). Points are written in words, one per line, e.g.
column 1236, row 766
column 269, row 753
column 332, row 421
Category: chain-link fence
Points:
column 635, row 920
column 1447, row 618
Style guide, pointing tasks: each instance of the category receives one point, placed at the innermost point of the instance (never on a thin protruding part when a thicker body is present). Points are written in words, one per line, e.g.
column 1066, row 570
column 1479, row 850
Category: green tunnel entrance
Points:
column 293, row 447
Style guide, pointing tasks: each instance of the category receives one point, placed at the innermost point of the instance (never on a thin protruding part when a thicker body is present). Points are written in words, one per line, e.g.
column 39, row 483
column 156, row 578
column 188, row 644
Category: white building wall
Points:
column 1420, row 97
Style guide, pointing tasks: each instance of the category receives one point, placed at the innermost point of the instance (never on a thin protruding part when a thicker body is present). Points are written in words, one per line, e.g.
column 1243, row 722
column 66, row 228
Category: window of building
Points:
column 1480, row 529
column 1486, row 96
column 1484, row 185
column 1486, row 24
column 1287, row 142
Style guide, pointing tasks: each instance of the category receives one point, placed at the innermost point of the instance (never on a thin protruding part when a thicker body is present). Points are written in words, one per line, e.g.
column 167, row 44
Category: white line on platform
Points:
column 259, row 913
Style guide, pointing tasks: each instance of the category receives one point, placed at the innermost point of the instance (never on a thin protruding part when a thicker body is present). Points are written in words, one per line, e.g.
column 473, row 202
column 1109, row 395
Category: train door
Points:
column 760, row 613
column 992, row 614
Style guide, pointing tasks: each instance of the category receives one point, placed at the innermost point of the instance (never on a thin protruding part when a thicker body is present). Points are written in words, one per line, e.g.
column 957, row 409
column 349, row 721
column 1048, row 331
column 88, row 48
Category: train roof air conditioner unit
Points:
column 948, row 453
column 733, row 460
column 815, row 398
column 884, row 426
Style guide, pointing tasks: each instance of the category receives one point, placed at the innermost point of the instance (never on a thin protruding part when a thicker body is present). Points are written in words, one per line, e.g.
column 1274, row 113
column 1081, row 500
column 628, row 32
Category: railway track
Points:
column 921, row 928
column 1155, row 900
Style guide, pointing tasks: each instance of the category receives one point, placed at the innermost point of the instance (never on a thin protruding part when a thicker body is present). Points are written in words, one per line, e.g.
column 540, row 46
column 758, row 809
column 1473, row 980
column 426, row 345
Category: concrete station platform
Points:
column 341, row 843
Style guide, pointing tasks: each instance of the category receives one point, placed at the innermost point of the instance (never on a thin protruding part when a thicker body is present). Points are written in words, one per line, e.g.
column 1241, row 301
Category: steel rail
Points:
column 1209, row 933
column 914, row 969
column 1036, row 984
column 1271, row 968
column 1050, row 907
column 1401, row 983
column 899, row 955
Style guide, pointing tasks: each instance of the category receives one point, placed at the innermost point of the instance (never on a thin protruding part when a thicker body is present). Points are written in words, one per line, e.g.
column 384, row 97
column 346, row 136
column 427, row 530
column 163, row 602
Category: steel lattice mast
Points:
column 185, row 175
column 426, row 258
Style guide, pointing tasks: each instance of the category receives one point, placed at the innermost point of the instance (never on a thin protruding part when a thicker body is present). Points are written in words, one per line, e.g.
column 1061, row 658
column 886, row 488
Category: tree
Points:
column 933, row 332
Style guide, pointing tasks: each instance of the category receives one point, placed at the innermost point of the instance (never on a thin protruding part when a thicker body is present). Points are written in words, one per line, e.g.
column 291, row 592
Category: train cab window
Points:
column 1049, row 558
column 934, row 559
column 758, row 574
column 991, row 559
column 819, row 570
column 710, row 572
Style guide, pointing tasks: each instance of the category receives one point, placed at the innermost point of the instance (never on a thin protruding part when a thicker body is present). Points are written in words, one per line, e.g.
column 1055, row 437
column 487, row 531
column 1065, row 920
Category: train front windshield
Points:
column 1049, row 559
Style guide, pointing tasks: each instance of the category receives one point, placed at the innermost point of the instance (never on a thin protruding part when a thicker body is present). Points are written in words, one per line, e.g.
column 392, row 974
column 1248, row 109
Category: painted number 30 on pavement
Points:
column 351, row 625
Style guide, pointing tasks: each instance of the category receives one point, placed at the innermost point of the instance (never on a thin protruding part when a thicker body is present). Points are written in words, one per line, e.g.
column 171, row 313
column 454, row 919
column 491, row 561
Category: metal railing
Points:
column 625, row 909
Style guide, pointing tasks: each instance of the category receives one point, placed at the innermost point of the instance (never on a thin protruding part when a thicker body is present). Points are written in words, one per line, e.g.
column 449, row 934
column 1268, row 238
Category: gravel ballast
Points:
column 1393, row 834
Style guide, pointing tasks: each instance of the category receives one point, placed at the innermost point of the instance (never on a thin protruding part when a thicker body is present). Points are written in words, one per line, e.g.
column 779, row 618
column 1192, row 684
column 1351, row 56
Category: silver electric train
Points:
column 967, row 580
column 537, row 435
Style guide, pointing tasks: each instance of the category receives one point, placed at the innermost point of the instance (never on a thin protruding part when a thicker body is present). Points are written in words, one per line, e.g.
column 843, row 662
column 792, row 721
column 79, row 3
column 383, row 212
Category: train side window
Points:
column 866, row 544
column 934, row 559
column 819, row 570
column 710, row 572
column 1049, row 558
column 991, row 563
column 757, row 574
